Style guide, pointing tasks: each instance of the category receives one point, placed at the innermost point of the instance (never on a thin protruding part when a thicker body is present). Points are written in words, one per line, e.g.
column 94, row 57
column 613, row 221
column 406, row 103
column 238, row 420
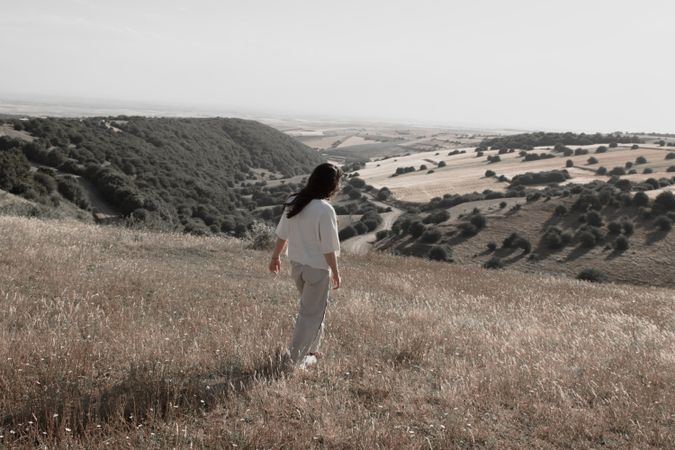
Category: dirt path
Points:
column 359, row 245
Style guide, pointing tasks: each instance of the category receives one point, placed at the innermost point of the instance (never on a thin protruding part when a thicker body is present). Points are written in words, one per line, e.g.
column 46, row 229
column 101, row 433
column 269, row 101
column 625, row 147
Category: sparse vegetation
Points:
column 621, row 244
column 494, row 263
column 439, row 253
column 592, row 275
column 663, row 223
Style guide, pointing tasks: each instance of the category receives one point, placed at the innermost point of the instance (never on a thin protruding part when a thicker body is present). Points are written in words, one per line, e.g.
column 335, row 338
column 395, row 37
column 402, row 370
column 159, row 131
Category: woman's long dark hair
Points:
column 322, row 183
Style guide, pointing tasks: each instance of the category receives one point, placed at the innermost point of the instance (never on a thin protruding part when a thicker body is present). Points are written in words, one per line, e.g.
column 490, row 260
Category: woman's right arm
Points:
column 331, row 260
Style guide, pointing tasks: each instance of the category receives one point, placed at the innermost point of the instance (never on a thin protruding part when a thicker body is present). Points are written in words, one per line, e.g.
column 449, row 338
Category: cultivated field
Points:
column 112, row 337
column 465, row 173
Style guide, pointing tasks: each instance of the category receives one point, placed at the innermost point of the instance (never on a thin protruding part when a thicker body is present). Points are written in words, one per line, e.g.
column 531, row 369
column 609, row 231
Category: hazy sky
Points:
column 583, row 65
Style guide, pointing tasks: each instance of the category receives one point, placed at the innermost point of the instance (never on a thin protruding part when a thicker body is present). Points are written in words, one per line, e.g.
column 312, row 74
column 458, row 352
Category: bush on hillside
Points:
column 440, row 253
column 347, row 232
column 621, row 244
column 627, row 227
column 640, row 199
column 614, row 227
column 640, row 160
column 494, row 263
column 381, row 234
column 664, row 202
column 569, row 163
column 663, row 223
column 490, row 173
column 587, row 239
column 491, row 246
column 560, row 210
column 260, row 236
column 431, row 236
column 478, row 221
column 593, row 218
column 592, row 275
column 416, row 228
column 592, row 160
column 437, row 216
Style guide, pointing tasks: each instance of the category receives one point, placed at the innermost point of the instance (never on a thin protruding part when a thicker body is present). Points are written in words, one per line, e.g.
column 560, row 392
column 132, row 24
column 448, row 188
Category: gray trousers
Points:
column 313, row 285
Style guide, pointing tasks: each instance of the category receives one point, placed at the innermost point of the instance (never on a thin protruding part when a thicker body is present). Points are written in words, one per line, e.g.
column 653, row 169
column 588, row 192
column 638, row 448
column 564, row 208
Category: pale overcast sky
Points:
column 580, row 65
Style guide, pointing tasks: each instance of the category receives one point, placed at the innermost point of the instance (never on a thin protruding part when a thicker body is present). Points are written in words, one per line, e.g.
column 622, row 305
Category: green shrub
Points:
column 431, row 236
column 437, row 216
column 664, row 202
column 627, row 227
column 601, row 149
column 468, row 229
column 621, row 244
column 614, row 227
column 439, row 253
column 524, row 244
column 663, row 223
column 592, row 275
column 478, row 221
column 260, row 236
column 360, row 227
column 491, row 246
column 347, row 232
column 416, row 229
column 670, row 155
column 494, row 263
column 593, row 218
column 381, row 234
column 640, row 199
column 587, row 239
column 560, row 210
column 592, row 160
column 640, row 160
column 634, row 147
column 601, row 171
column 569, row 163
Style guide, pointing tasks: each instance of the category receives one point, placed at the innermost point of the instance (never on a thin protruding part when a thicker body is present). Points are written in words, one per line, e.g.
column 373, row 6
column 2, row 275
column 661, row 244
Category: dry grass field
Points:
column 465, row 173
column 115, row 338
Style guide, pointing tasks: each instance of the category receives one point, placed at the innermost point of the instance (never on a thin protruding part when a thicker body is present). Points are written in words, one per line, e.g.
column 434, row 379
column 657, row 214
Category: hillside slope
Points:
column 113, row 337
column 179, row 174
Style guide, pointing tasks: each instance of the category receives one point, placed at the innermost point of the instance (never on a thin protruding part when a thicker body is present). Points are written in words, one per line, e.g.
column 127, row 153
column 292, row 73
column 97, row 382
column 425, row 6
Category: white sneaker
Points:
column 307, row 362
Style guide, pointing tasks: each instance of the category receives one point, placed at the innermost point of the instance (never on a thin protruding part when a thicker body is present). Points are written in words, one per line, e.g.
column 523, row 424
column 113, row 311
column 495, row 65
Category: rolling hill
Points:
column 191, row 175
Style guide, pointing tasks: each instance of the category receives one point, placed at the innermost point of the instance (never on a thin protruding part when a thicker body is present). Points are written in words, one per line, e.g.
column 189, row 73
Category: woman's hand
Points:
column 275, row 265
column 336, row 279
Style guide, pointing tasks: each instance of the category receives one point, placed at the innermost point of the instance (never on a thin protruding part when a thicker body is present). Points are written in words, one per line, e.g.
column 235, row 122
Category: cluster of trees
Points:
column 187, row 174
column 535, row 157
column 528, row 141
column 404, row 170
column 530, row 178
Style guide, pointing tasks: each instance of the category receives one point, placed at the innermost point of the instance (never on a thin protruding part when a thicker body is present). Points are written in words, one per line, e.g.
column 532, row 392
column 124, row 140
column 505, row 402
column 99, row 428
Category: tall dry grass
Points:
column 112, row 337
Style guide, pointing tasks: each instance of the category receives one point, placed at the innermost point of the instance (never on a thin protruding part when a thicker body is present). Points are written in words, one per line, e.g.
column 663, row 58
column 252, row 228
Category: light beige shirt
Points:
column 310, row 234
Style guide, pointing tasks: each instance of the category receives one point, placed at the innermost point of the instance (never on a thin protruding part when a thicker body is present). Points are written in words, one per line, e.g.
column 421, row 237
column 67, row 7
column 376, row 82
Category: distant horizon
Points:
column 91, row 107
column 519, row 65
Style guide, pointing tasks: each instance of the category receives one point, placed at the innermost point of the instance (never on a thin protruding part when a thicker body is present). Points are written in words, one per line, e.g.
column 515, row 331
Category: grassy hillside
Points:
column 111, row 337
column 627, row 237
column 178, row 174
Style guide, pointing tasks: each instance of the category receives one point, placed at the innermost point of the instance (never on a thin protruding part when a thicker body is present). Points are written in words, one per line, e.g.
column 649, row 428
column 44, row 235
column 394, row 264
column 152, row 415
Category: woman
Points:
column 309, row 225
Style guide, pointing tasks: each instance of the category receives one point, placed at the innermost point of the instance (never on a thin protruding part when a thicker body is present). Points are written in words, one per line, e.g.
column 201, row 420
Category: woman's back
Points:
column 310, row 233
